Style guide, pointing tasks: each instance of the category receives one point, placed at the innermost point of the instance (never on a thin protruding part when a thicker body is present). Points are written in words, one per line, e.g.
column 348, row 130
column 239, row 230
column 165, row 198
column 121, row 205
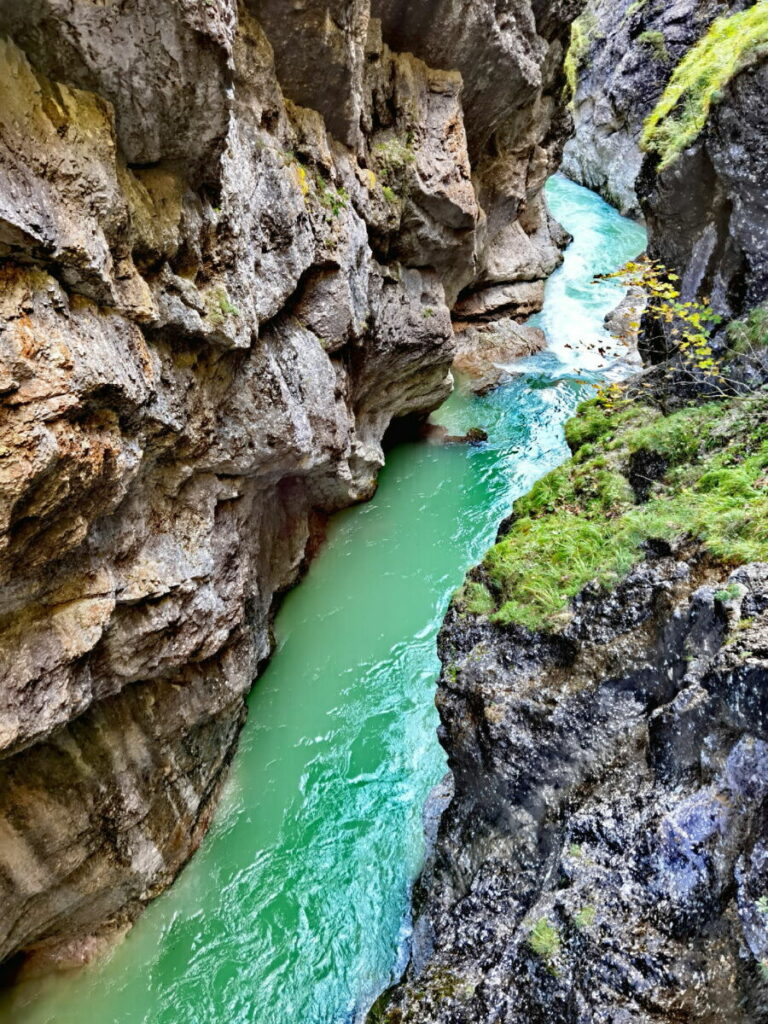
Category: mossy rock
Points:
column 584, row 522
column 700, row 78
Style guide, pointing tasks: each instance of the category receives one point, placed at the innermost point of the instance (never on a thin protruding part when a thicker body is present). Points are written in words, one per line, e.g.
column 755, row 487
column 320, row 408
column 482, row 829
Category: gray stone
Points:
column 631, row 53
column 485, row 351
column 610, row 797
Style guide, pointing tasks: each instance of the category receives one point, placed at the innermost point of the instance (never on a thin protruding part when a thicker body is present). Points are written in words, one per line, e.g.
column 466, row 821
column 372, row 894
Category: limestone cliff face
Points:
column 706, row 209
column 231, row 235
column 510, row 55
column 707, row 213
column 623, row 56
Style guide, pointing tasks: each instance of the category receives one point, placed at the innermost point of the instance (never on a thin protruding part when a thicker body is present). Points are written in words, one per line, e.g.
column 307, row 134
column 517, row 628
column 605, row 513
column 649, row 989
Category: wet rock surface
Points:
column 628, row 53
column 485, row 351
column 215, row 301
column 707, row 213
column 602, row 858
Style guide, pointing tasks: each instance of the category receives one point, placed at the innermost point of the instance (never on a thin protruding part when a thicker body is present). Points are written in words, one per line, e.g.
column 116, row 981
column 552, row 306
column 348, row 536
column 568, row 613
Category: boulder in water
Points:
column 484, row 350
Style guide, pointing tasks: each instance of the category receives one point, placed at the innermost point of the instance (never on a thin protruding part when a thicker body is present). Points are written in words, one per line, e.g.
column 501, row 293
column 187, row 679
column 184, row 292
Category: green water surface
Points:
column 295, row 910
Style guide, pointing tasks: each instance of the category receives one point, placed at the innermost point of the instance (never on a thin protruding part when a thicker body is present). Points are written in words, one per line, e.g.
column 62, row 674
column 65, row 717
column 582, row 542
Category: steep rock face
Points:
column 603, row 856
column 707, row 212
column 510, row 56
column 214, row 303
column 706, row 208
column 317, row 42
column 600, row 855
column 623, row 56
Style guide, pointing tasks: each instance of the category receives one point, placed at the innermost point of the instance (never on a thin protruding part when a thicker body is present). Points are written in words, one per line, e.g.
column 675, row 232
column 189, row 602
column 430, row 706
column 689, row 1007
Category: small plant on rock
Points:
column 544, row 940
column 333, row 199
column 585, row 917
column 218, row 307
column 392, row 156
column 731, row 593
column 750, row 335
column 690, row 323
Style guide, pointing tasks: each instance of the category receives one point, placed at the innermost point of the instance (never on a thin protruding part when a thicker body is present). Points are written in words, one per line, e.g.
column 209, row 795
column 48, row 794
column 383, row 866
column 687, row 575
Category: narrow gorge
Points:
column 263, row 261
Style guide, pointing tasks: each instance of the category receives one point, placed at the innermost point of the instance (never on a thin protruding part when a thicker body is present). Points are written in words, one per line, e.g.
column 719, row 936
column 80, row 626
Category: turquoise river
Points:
column 295, row 910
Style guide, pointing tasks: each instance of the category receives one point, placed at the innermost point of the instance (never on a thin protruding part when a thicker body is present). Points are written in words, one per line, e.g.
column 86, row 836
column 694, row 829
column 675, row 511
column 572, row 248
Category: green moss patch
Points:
column 218, row 307
column 544, row 940
column 392, row 158
column 656, row 43
column 475, row 599
column 682, row 112
column 635, row 8
column 583, row 522
column 583, row 35
column 751, row 333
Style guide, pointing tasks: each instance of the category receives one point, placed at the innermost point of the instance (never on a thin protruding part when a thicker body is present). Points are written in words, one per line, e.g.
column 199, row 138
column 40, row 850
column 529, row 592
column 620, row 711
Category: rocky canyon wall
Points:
column 601, row 853
column 599, row 848
column 705, row 208
column 622, row 57
column 231, row 237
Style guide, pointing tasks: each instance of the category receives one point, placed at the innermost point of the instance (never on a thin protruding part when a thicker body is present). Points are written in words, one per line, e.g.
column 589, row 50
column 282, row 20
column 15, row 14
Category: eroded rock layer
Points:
column 230, row 236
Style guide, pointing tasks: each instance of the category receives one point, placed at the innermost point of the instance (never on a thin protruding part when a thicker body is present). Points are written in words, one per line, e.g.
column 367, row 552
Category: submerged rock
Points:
column 437, row 434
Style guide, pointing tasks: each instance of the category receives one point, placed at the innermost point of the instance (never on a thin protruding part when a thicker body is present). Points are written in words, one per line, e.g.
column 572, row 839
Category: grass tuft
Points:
column 585, row 918
column 656, row 43
column 583, row 34
column 751, row 333
column 474, row 599
column 544, row 940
